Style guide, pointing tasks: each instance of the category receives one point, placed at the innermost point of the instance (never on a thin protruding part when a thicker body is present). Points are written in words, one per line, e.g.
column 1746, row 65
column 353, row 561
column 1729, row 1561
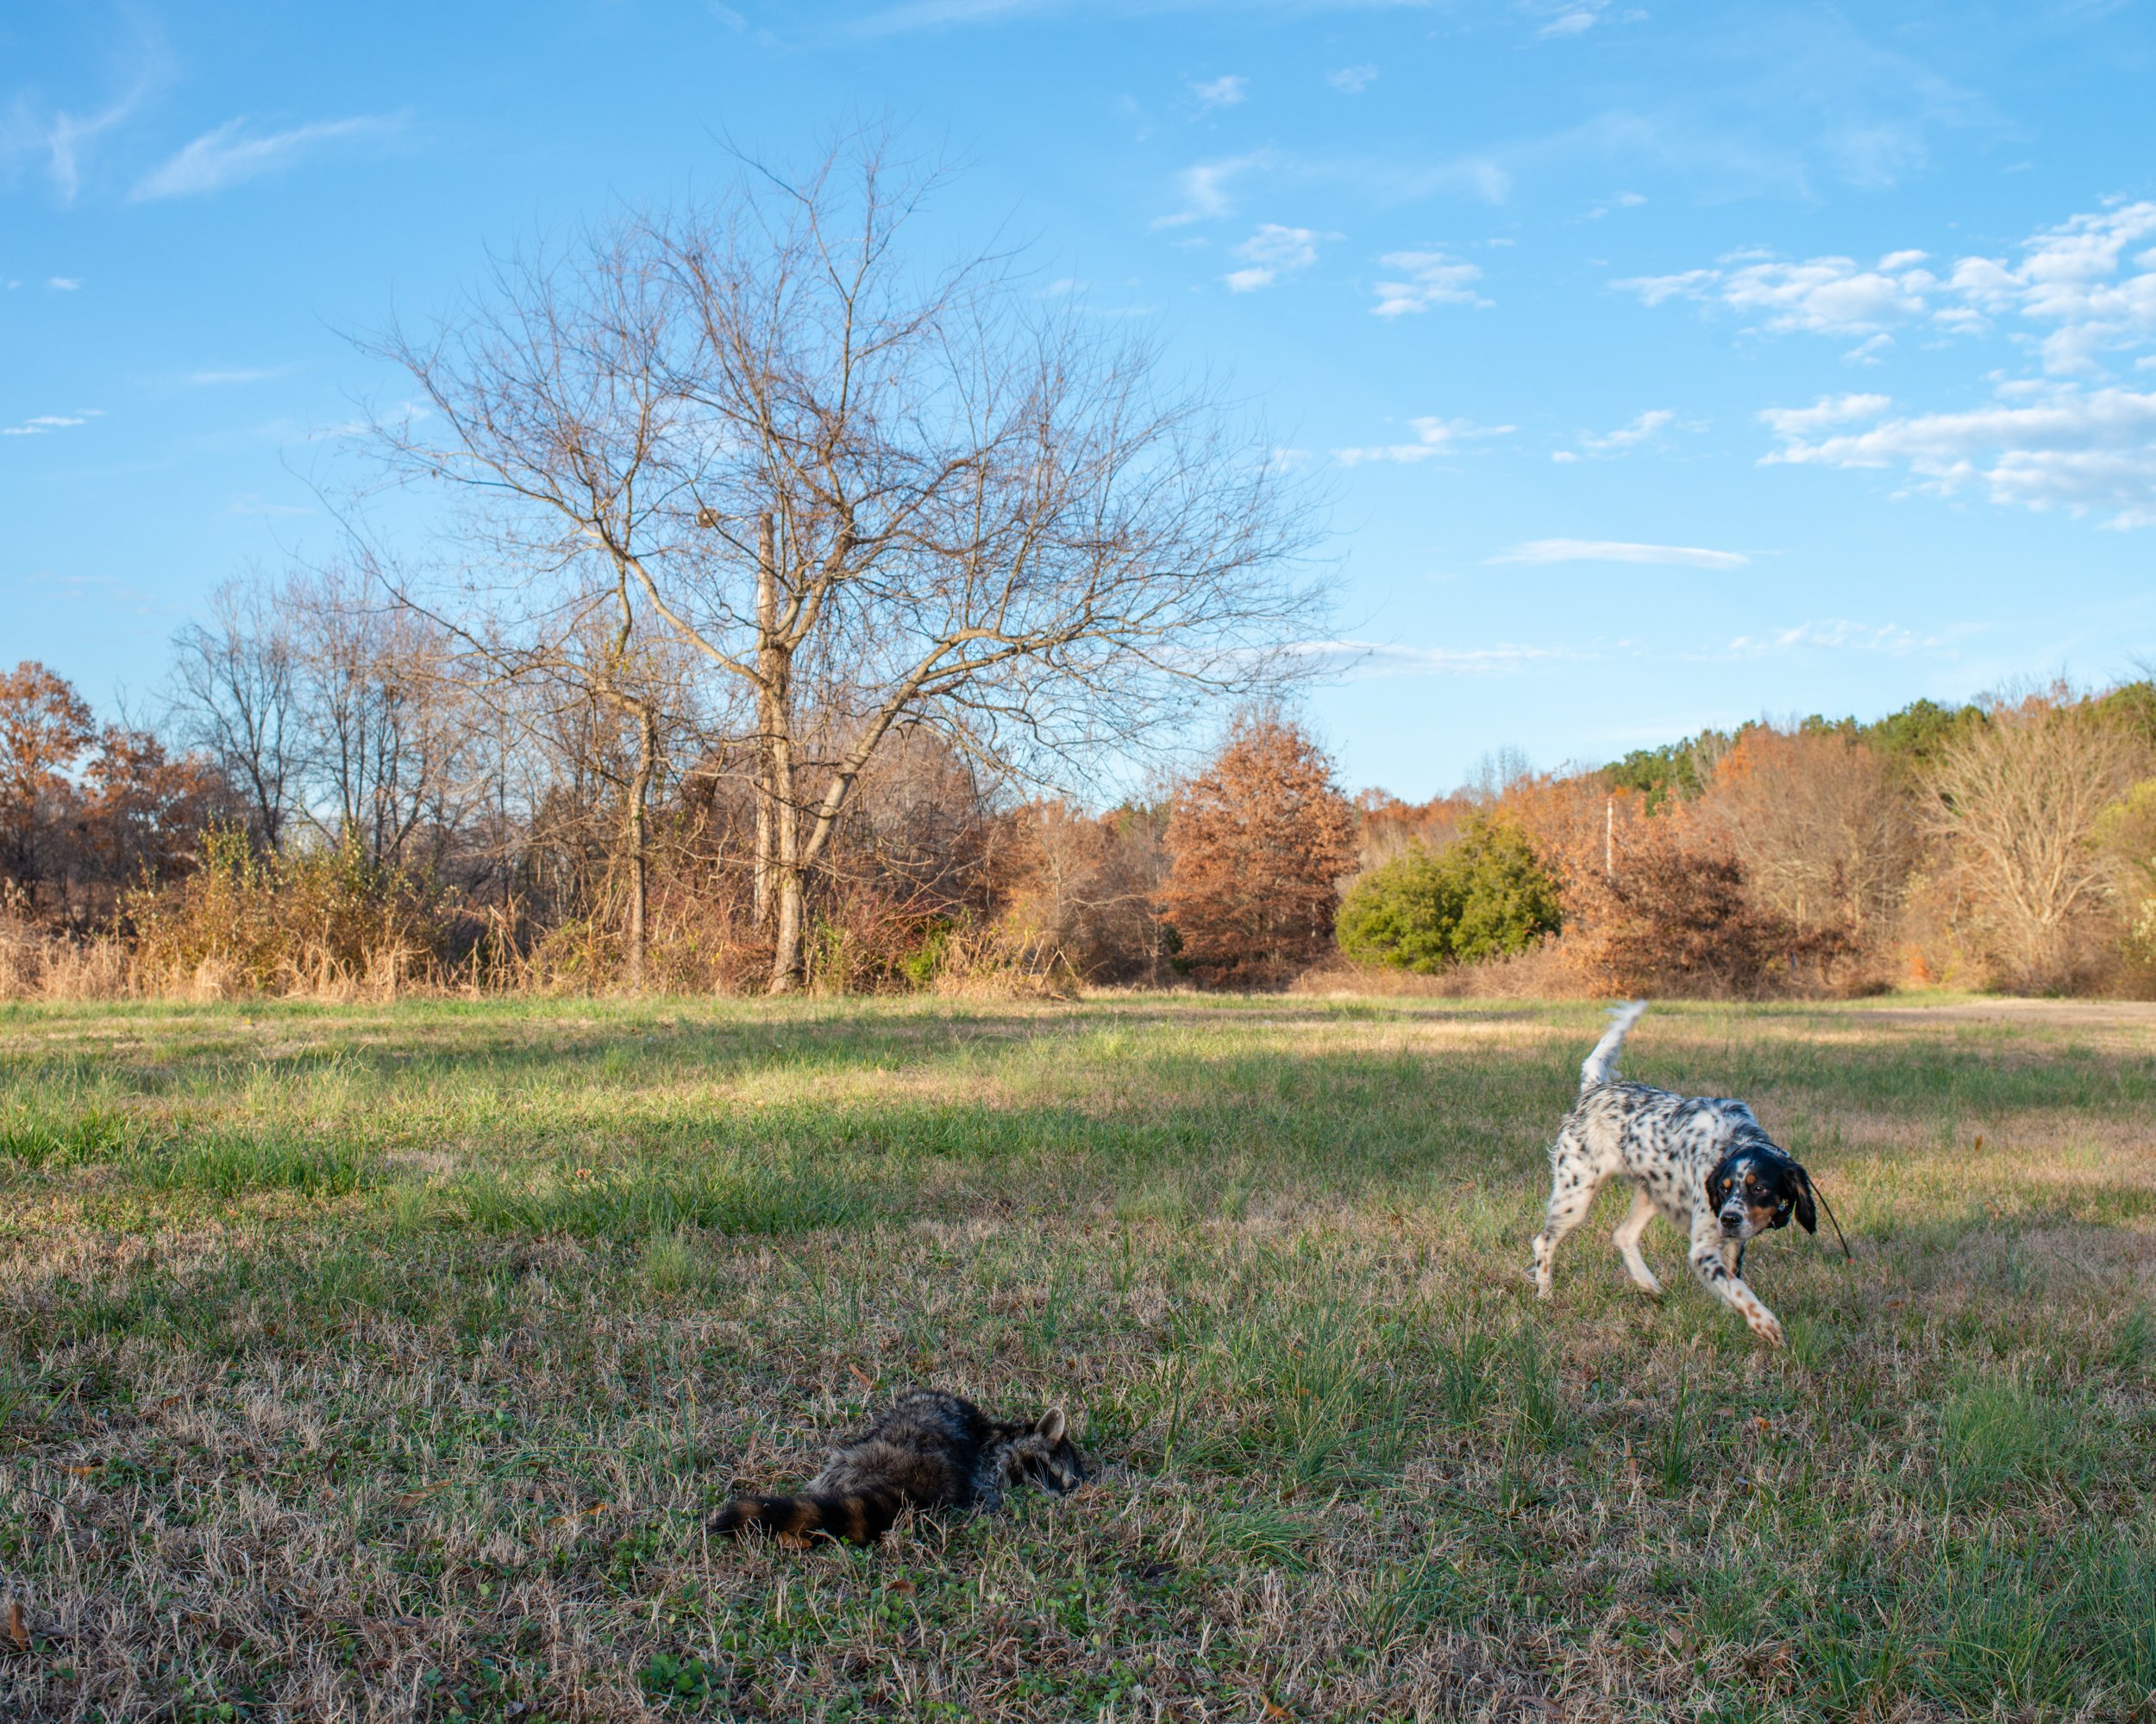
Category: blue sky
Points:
column 1669, row 364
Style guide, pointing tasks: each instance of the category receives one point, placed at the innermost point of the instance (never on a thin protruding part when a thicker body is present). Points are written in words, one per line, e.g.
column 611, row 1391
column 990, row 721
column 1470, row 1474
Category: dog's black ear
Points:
column 1718, row 1182
column 1807, row 1216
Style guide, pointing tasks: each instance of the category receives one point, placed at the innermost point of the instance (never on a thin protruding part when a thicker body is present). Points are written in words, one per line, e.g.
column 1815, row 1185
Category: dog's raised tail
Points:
column 1600, row 1066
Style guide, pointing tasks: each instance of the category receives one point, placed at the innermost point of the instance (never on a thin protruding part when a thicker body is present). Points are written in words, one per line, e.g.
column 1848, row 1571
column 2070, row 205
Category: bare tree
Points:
column 1826, row 835
column 871, row 498
column 2017, row 799
column 386, row 734
column 234, row 693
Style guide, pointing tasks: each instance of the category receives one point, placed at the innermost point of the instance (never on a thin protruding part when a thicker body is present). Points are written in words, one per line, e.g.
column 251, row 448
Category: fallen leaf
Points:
column 18, row 1628
column 81, row 1472
column 862, row 1377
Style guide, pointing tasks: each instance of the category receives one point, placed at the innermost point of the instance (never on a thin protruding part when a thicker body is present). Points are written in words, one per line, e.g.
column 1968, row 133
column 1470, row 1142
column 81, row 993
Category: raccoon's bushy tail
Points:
column 1600, row 1066
column 860, row 1517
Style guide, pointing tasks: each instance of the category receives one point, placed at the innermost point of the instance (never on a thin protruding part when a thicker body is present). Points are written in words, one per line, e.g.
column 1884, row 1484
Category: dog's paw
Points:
column 1768, row 1330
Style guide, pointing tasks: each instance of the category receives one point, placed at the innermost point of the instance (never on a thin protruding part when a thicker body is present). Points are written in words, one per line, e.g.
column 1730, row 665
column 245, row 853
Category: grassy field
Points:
column 375, row 1363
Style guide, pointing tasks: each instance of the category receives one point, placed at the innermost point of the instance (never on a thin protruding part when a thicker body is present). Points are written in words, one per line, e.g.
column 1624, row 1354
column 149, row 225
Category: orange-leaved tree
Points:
column 1257, row 843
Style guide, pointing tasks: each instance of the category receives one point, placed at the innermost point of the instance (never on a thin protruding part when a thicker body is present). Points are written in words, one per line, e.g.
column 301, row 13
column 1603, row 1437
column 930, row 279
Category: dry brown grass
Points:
column 361, row 1362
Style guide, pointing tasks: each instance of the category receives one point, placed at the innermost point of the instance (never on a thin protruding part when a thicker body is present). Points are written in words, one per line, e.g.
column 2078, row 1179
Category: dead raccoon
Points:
column 928, row 1450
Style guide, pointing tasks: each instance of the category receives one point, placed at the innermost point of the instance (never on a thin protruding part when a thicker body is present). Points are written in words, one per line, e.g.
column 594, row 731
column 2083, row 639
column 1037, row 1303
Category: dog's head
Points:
column 1758, row 1186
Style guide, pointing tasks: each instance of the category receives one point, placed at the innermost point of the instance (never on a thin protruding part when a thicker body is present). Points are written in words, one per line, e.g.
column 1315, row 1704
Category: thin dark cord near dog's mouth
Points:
column 1849, row 1255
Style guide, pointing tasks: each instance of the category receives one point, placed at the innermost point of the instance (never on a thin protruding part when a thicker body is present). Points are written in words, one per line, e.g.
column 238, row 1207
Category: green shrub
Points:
column 1480, row 896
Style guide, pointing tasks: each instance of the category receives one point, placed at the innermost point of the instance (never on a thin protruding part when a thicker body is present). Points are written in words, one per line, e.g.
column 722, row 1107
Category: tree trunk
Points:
column 779, row 870
column 640, row 845
column 787, row 870
column 767, row 724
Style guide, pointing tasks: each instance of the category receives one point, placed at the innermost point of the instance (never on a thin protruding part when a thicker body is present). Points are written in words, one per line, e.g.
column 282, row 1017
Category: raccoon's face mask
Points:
column 1048, row 1457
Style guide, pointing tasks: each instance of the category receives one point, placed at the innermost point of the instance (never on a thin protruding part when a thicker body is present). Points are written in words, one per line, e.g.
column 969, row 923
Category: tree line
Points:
column 313, row 818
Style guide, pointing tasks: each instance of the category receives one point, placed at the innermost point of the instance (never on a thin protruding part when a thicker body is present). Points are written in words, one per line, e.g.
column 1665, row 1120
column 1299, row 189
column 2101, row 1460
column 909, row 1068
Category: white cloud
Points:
column 1204, row 188
column 1432, row 278
column 225, row 157
column 46, row 422
column 63, row 284
column 1826, row 295
column 1382, row 658
column 1271, row 252
column 1654, row 289
column 1568, row 23
column 1828, row 410
column 1222, row 92
column 63, row 139
column 2081, row 288
column 211, row 379
column 1433, row 437
column 1352, row 80
column 1644, row 429
column 2069, row 278
column 2078, row 450
column 1618, row 550
column 1838, row 635
column 251, row 503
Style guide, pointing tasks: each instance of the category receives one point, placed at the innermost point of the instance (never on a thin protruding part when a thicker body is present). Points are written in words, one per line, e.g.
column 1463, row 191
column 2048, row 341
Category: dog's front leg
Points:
column 1720, row 1281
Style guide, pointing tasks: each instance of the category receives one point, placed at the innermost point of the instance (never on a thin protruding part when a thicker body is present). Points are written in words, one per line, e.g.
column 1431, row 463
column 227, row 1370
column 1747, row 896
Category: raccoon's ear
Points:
column 1052, row 1424
column 1807, row 1216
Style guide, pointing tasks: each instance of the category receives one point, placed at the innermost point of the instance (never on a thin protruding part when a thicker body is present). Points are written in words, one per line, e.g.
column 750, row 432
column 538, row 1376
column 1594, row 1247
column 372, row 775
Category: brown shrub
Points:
column 1257, row 843
column 1085, row 888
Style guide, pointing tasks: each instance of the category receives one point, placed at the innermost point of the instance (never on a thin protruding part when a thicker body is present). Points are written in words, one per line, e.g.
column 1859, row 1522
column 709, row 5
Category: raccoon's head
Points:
column 1046, row 1455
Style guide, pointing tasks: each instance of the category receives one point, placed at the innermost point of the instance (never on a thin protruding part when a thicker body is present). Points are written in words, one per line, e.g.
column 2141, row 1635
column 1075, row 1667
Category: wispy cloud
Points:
column 1572, row 17
column 1427, row 278
column 1838, row 635
column 1643, row 429
column 2079, row 449
column 212, row 379
column 1433, row 437
column 910, row 17
column 1204, row 188
column 228, row 156
column 63, row 284
column 1222, row 92
column 1352, row 80
column 64, row 140
column 1384, row 658
column 1540, row 551
column 45, row 422
column 1271, row 252
column 251, row 503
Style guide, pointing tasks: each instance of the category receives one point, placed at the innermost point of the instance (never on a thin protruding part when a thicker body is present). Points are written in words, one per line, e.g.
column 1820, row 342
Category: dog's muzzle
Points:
column 1736, row 1223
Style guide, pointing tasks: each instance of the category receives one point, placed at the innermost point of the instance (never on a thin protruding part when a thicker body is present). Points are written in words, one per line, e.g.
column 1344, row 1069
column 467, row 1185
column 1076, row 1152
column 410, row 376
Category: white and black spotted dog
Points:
column 1701, row 1161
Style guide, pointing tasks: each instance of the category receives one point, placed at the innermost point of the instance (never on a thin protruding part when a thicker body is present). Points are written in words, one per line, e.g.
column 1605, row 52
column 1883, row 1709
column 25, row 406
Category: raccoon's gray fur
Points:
column 928, row 1450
